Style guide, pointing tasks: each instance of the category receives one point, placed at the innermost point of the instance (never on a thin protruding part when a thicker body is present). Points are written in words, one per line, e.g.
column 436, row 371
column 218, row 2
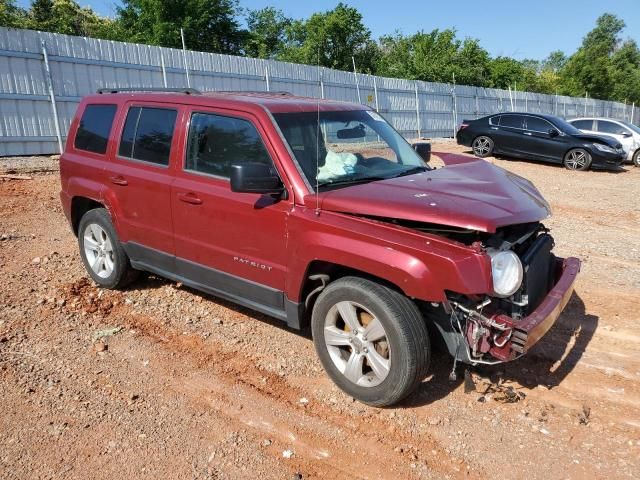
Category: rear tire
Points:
column 104, row 258
column 636, row 158
column 577, row 159
column 482, row 146
column 371, row 340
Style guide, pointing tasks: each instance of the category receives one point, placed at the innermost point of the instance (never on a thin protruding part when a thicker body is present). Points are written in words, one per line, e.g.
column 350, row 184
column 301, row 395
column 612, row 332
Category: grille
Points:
column 538, row 263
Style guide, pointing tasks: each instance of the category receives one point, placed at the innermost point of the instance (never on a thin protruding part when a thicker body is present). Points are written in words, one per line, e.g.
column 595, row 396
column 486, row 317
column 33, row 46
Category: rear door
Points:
column 508, row 135
column 140, row 177
column 539, row 142
column 235, row 243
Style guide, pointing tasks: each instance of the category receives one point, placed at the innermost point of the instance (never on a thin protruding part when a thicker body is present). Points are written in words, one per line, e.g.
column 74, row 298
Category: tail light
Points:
column 462, row 126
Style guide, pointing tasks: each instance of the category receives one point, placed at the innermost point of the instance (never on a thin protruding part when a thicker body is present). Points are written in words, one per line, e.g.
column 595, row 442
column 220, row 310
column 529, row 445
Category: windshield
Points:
column 566, row 127
column 633, row 127
column 347, row 147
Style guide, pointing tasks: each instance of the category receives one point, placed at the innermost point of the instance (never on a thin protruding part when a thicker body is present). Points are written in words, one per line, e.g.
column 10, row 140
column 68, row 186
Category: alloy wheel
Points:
column 357, row 344
column 576, row 160
column 98, row 250
column 481, row 146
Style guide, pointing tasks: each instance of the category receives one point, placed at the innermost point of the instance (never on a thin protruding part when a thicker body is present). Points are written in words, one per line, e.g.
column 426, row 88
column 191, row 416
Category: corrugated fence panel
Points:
column 82, row 65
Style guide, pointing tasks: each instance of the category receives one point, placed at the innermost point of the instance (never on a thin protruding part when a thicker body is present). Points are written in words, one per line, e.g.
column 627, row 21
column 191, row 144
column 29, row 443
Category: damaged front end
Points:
column 498, row 328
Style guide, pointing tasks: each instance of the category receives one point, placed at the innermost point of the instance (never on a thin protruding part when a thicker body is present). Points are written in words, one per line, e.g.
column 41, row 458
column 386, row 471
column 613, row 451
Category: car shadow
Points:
column 614, row 170
column 548, row 363
column 148, row 281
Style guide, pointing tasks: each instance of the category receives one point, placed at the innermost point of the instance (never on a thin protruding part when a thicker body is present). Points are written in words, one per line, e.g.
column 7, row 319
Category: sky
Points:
column 512, row 28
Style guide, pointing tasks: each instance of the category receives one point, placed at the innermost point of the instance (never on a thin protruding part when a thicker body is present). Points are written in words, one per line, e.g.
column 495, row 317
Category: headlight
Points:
column 506, row 270
column 604, row 148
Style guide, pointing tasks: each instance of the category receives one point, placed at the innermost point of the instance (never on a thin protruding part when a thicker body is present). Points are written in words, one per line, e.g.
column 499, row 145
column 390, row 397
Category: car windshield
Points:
column 565, row 126
column 347, row 147
column 633, row 127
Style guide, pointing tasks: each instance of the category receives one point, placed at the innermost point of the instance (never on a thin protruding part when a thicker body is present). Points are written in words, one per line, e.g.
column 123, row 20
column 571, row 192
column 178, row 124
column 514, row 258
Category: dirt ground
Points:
column 160, row 381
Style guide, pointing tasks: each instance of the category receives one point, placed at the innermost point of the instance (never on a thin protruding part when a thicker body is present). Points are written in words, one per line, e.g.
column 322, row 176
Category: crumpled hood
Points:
column 467, row 193
column 600, row 139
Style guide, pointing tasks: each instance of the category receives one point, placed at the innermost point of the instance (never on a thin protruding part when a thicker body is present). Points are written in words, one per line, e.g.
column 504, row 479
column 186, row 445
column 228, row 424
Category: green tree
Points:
column 437, row 56
column 331, row 38
column 11, row 15
column 209, row 25
column 589, row 69
column 266, row 35
column 625, row 73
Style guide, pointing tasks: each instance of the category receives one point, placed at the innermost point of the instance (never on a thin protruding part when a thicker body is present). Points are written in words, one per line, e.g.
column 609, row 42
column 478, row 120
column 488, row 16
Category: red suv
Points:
column 317, row 213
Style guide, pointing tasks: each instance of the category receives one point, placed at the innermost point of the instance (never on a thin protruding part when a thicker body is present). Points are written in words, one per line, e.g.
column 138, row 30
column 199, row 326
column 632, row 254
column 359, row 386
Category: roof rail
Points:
column 188, row 91
column 254, row 92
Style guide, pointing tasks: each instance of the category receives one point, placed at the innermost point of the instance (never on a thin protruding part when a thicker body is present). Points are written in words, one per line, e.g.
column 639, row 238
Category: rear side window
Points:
column 511, row 121
column 147, row 134
column 611, row 128
column 494, row 120
column 216, row 142
column 536, row 124
column 583, row 124
column 95, row 126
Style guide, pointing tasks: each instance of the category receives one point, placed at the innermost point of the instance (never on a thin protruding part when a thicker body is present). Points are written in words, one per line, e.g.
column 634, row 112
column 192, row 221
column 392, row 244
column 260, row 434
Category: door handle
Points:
column 190, row 197
column 119, row 180
column 528, row 133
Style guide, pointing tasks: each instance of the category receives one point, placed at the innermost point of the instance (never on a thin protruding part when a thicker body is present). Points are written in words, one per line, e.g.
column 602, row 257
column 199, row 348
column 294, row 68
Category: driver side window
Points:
column 217, row 142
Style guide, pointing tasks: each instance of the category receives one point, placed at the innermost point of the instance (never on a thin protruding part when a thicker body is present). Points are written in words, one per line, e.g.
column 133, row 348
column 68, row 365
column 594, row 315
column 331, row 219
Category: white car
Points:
column 626, row 133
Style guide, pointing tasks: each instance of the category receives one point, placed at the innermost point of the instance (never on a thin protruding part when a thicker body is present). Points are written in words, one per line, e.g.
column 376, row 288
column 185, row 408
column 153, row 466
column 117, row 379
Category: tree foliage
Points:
column 330, row 39
column 209, row 25
column 266, row 32
column 605, row 66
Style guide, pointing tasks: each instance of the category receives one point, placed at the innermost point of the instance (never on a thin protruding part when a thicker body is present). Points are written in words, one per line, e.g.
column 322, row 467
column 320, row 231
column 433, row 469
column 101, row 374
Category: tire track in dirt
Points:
column 235, row 388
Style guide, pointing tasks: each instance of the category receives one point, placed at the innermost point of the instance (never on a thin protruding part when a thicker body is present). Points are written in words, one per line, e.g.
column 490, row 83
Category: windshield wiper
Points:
column 350, row 181
column 411, row 171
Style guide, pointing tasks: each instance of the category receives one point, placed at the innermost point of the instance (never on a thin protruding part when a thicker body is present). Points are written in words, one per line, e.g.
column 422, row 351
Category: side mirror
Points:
column 553, row 132
column 423, row 149
column 255, row 178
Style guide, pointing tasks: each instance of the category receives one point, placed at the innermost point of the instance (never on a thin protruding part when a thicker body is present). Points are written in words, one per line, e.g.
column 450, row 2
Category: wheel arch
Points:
column 79, row 206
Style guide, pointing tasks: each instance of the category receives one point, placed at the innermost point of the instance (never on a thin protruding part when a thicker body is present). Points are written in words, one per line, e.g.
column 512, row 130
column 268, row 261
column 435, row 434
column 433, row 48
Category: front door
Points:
column 539, row 142
column 618, row 132
column 233, row 243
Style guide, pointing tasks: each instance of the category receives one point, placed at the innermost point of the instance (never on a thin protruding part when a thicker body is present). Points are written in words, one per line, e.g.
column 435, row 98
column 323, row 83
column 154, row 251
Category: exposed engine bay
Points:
column 489, row 324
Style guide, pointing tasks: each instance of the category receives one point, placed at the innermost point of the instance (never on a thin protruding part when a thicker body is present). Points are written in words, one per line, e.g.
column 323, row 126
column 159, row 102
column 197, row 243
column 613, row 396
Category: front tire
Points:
column 577, row 159
column 104, row 258
column 636, row 158
column 482, row 146
column 371, row 340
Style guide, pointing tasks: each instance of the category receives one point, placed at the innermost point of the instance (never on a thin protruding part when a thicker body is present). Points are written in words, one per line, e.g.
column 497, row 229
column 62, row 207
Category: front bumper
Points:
column 607, row 160
column 528, row 331
column 498, row 337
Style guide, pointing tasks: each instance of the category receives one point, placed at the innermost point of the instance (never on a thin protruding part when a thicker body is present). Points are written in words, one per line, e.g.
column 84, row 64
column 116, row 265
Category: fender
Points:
column 422, row 266
column 82, row 187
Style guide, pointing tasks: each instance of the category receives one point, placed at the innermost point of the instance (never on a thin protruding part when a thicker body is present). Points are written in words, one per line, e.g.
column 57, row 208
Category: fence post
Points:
column 375, row 93
column 455, row 109
column 184, row 58
column 52, row 96
column 419, row 129
column 477, row 103
column 164, row 69
column 266, row 77
column 322, row 83
column 355, row 75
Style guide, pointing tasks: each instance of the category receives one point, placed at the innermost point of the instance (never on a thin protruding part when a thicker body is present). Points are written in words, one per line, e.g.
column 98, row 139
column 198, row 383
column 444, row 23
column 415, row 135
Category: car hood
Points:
column 597, row 138
column 466, row 193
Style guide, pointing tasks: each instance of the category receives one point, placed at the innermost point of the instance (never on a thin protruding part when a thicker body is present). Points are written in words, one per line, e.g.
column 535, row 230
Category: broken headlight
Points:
column 506, row 271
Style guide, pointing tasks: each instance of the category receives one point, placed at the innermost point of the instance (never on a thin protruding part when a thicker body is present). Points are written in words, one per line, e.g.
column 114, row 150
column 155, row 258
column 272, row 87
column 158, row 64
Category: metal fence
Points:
column 44, row 75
